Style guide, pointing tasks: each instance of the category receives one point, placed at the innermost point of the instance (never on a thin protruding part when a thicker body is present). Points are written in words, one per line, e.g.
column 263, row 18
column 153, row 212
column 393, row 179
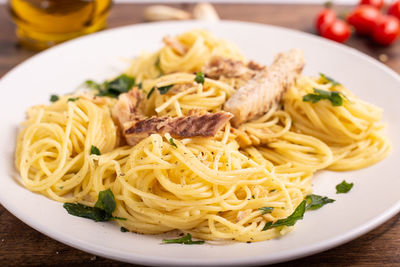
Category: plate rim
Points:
column 270, row 259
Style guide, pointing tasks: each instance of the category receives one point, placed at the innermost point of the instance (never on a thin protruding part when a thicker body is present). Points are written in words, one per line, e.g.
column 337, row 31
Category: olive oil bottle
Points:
column 44, row 23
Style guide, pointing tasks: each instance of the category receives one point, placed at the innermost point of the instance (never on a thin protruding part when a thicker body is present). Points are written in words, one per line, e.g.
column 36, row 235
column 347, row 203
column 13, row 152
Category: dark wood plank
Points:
column 20, row 245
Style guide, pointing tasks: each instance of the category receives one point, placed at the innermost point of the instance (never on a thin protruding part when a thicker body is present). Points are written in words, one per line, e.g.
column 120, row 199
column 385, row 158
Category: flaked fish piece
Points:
column 177, row 46
column 135, row 126
column 219, row 67
column 126, row 108
column 266, row 88
column 206, row 125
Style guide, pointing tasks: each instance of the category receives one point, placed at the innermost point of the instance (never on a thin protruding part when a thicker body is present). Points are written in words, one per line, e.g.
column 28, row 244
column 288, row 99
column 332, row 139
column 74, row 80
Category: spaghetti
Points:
column 213, row 188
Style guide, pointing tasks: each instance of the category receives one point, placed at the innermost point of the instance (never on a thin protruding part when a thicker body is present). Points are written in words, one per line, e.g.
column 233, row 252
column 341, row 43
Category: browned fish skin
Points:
column 206, row 125
column 266, row 88
column 135, row 126
column 223, row 67
column 255, row 66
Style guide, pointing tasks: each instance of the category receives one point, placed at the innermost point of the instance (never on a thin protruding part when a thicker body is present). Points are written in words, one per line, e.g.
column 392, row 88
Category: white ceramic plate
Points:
column 373, row 200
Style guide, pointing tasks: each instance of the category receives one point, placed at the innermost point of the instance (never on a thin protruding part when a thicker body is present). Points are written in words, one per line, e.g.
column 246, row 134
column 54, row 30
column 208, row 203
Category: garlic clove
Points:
column 160, row 12
column 205, row 11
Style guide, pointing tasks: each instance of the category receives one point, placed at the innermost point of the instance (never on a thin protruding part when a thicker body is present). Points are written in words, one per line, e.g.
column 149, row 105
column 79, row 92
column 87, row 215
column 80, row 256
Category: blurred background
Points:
column 41, row 24
column 29, row 26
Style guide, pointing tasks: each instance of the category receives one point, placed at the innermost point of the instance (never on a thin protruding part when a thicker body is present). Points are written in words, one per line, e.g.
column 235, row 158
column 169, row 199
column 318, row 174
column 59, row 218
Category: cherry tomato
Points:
column 324, row 17
column 363, row 19
column 375, row 3
column 338, row 31
column 394, row 9
column 386, row 30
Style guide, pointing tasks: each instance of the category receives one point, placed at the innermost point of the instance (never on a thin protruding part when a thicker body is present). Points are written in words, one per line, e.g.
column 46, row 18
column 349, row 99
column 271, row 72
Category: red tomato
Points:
column 386, row 30
column 363, row 19
column 324, row 17
column 394, row 9
column 375, row 3
column 338, row 31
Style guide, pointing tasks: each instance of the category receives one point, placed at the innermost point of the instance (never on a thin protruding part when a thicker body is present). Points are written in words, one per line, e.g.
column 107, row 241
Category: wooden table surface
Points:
column 20, row 245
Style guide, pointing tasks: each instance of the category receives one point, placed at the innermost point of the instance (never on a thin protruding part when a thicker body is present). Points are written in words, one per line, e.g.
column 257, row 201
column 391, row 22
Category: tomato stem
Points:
column 328, row 4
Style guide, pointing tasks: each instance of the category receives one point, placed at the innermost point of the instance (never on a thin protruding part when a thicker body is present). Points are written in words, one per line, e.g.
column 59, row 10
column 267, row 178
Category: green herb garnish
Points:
column 91, row 84
column 118, row 218
column 101, row 212
column 329, row 79
column 199, row 77
column 140, row 85
column 158, row 67
column 123, row 229
column 106, row 201
column 315, row 202
column 291, row 220
column 172, row 142
column 150, row 93
column 80, row 210
column 266, row 210
column 343, row 187
column 186, row 240
column 334, row 97
column 164, row 89
column 122, row 84
column 54, row 98
column 94, row 150
column 72, row 99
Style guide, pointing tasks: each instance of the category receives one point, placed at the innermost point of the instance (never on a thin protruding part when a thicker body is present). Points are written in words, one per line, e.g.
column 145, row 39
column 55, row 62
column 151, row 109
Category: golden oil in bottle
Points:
column 44, row 23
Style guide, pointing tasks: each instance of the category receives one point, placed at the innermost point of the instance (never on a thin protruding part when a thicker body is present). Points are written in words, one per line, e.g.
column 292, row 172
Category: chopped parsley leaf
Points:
column 121, row 84
column 334, row 97
column 72, row 99
column 94, row 150
column 329, row 79
column 164, row 89
column 106, row 201
column 199, row 77
column 297, row 214
column 91, row 84
column 315, row 202
column 123, row 229
column 102, row 210
column 186, row 240
column 118, row 218
column 54, row 98
column 96, row 214
column 172, row 142
column 158, row 67
column 150, row 93
column 343, row 187
column 266, row 210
